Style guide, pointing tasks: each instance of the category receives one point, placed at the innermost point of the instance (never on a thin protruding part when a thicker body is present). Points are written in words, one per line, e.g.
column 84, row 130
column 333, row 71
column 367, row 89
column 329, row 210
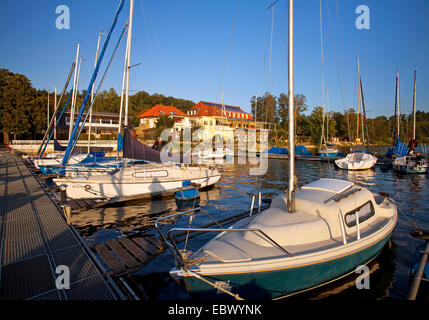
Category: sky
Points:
column 196, row 49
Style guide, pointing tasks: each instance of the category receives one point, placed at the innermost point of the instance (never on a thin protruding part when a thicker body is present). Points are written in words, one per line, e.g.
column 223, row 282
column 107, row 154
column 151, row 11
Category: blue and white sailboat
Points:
column 412, row 161
column 399, row 149
column 137, row 180
column 310, row 236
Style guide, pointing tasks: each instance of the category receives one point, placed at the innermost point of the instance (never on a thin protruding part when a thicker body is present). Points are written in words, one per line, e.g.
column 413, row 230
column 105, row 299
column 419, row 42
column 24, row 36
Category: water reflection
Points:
column 233, row 194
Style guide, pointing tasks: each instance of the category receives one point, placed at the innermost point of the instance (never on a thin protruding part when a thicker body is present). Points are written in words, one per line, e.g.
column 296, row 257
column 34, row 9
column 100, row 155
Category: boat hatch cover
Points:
column 329, row 185
column 225, row 252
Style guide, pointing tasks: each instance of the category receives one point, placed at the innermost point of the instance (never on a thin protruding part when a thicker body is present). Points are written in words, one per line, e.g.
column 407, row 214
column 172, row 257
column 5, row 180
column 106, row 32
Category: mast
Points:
column 360, row 102
column 291, row 190
column 327, row 116
column 92, row 93
column 127, row 88
column 397, row 105
column 55, row 104
column 122, row 99
column 47, row 115
column 363, row 116
column 73, row 103
column 414, row 105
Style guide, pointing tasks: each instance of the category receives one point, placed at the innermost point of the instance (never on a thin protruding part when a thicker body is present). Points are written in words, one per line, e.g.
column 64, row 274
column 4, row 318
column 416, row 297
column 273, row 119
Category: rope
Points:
column 99, row 86
column 409, row 221
column 227, row 50
column 321, row 51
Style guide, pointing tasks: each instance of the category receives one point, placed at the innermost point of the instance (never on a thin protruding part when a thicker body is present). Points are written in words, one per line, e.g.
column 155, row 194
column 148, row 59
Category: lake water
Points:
column 389, row 272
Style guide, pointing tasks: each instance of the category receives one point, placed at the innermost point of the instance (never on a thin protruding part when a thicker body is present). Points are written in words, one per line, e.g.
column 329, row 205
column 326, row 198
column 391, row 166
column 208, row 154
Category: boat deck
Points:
column 35, row 240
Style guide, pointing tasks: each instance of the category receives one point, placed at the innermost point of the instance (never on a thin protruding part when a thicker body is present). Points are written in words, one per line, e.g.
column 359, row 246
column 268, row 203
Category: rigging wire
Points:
column 99, row 86
column 227, row 51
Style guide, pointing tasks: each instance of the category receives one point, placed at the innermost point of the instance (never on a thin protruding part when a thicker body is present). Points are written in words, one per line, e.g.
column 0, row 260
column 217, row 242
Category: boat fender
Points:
column 186, row 195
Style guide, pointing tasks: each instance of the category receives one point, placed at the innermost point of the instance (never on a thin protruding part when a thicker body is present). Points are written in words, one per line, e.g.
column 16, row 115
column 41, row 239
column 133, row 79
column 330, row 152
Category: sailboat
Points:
column 413, row 162
column 51, row 163
column 151, row 178
column 327, row 149
column 359, row 158
column 309, row 236
column 399, row 149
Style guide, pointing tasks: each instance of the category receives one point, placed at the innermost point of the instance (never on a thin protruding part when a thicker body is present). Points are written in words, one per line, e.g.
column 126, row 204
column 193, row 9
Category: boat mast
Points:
column 127, row 88
column 73, row 103
column 397, row 105
column 357, row 107
column 414, row 106
column 55, row 111
column 47, row 119
column 360, row 101
column 121, row 107
column 327, row 116
column 291, row 190
column 92, row 92
column 363, row 116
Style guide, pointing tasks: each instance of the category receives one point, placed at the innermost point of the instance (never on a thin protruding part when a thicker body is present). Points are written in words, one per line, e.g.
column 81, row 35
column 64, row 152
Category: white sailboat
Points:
column 358, row 159
column 148, row 179
column 308, row 237
column 327, row 149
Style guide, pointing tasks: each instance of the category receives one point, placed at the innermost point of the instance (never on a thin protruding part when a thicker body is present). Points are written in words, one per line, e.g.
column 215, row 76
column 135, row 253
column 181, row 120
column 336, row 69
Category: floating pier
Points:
column 36, row 243
column 127, row 255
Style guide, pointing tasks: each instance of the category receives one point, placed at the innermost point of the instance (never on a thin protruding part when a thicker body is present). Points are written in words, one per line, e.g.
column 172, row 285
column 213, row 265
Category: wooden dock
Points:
column 127, row 255
column 36, row 240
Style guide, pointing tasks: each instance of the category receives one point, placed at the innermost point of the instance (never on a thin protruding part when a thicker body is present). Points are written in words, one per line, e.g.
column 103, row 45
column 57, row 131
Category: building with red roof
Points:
column 215, row 118
column 149, row 117
column 160, row 110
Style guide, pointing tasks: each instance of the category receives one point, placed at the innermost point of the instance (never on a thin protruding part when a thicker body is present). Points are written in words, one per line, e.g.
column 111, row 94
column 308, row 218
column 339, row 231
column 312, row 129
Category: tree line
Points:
column 23, row 113
column 342, row 126
column 23, row 109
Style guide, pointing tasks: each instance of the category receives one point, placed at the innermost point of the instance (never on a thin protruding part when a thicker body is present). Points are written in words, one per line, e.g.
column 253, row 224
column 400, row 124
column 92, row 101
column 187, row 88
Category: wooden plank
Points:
column 157, row 242
column 74, row 206
column 81, row 203
column 134, row 249
column 123, row 255
column 108, row 258
column 147, row 246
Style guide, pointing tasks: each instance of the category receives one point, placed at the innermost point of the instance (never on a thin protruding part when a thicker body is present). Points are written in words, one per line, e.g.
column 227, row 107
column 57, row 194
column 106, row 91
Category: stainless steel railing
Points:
column 177, row 253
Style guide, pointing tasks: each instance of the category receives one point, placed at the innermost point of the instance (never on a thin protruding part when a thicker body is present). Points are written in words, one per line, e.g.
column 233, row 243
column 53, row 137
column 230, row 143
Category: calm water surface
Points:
column 232, row 195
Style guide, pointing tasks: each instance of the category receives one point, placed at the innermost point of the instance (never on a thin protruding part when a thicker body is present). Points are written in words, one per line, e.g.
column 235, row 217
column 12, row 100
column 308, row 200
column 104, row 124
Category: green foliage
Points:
column 163, row 122
column 23, row 114
column 22, row 107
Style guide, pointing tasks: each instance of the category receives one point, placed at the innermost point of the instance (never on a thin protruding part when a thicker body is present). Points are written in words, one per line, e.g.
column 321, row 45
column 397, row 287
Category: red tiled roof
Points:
column 160, row 110
column 205, row 108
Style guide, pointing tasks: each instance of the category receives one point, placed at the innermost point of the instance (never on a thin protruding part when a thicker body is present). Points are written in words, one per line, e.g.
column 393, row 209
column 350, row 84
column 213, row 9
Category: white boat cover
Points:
column 329, row 185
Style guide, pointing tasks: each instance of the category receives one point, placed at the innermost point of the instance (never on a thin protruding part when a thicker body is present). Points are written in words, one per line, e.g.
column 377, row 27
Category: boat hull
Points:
column 331, row 154
column 281, row 283
column 410, row 169
column 122, row 188
column 356, row 162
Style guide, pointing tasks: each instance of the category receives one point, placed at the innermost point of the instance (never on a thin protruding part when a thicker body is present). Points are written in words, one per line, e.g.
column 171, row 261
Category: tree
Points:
column 163, row 122
column 315, row 121
column 22, row 109
column 301, row 122
column 264, row 108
